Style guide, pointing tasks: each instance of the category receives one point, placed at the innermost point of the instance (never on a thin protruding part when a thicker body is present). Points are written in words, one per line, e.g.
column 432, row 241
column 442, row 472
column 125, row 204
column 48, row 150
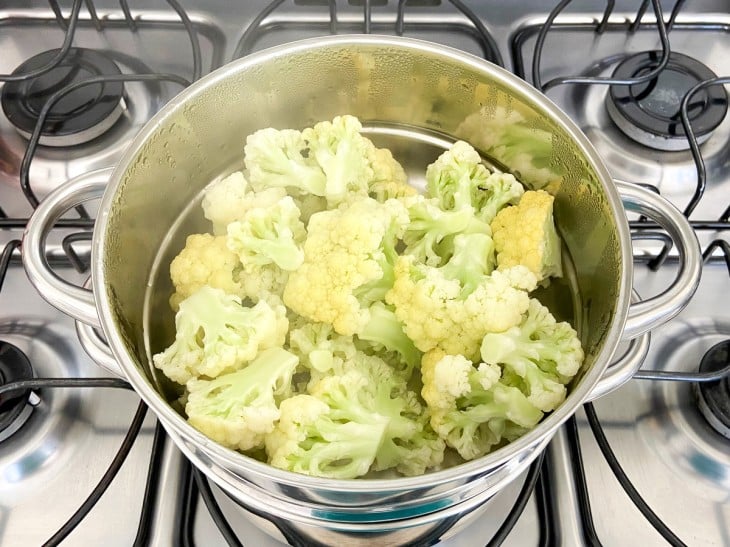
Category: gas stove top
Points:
column 80, row 462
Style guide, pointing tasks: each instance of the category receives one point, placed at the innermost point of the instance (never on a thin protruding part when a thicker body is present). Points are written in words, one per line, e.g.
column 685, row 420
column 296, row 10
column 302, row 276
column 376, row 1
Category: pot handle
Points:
column 621, row 371
column 75, row 301
column 648, row 314
column 96, row 347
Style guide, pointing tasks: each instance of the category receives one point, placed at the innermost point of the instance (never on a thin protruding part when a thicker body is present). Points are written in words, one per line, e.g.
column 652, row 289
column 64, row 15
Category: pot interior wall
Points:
column 200, row 138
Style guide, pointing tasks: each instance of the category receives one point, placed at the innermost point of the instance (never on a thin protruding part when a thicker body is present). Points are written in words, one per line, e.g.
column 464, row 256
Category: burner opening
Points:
column 713, row 398
column 15, row 408
column 78, row 117
column 649, row 113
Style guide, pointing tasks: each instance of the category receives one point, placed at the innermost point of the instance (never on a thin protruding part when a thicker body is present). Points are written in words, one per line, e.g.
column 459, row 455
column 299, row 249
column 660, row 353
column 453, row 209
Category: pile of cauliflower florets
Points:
column 338, row 323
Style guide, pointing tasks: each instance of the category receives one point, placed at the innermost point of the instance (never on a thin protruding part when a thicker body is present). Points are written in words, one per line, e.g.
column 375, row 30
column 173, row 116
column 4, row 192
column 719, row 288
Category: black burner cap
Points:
column 14, row 366
column 80, row 111
column 653, row 107
column 714, row 397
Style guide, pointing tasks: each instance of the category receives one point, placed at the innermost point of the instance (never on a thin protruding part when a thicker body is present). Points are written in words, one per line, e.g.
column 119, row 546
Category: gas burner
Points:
column 649, row 113
column 14, row 409
column 80, row 116
column 713, row 398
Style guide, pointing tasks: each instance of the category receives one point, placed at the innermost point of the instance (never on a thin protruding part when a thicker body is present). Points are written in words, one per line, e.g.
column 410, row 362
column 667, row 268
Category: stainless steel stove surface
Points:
column 667, row 449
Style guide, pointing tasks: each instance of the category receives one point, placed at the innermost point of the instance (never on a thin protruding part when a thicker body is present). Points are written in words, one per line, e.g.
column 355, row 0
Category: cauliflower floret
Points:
column 471, row 408
column 456, row 177
column 429, row 236
column 309, row 440
column 265, row 282
column 275, row 158
column 321, row 350
column 215, row 334
column 342, row 253
column 499, row 190
column 459, row 180
column 525, row 234
column 224, row 201
column 342, row 152
column 239, row 408
column 228, row 200
column 360, row 416
column 205, row 260
column 445, row 378
column 437, row 312
column 539, row 355
column 269, row 235
column 448, row 377
column 389, row 180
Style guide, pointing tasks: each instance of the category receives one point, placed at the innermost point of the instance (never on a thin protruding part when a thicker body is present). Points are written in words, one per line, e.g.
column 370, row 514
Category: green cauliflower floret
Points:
column 539, row 356
column 507, row 136
column 269, row 235
column 385, row 332
column 371, row 419
column 440, row 312
column 215, row 334
column 472, row 259
column 429, row 236
column 276, row 158
column 228, row 200
column 455, row 177
column 323, row 351
column 525, row 234
column 239, row 409
column 309, row 440
column 205, row 260
column 472, row 410
column 459, row 180
column 499, row 190
column 344, row 251
column 342, row 153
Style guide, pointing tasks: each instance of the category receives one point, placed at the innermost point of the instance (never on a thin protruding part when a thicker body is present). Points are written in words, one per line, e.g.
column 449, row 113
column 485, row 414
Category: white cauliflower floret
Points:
column 342, row 253
column 228, row 200
column 445, row 378
column 389, row 179
column 525, row 234
column 265, row 282
column 223, row 200
column 436, row 312
column 205, row 260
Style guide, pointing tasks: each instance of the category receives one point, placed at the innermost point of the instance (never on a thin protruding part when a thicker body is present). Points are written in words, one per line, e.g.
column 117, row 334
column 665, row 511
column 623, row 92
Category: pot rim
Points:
column 220, row 454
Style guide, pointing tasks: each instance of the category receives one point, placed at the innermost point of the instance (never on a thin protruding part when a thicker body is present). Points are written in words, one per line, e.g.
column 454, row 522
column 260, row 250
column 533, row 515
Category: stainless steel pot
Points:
column 413, row 93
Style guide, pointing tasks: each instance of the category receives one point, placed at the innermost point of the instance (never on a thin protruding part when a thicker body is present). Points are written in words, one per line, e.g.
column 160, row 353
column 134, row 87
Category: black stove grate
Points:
column 329, row 23
column 642, row 229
